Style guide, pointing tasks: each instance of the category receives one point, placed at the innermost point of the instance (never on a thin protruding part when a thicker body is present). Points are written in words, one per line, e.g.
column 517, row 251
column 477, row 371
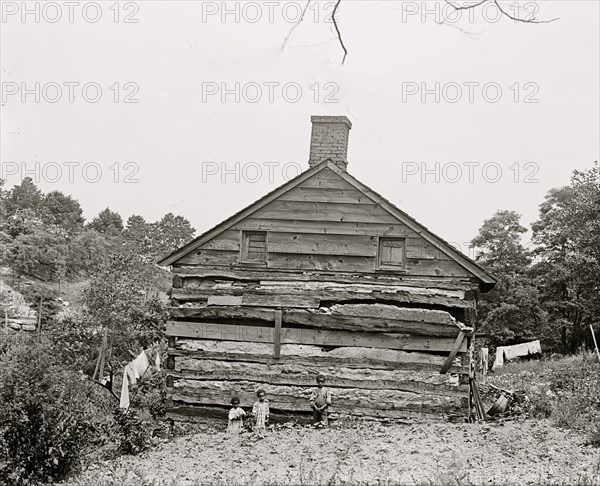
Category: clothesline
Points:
column 510, row 352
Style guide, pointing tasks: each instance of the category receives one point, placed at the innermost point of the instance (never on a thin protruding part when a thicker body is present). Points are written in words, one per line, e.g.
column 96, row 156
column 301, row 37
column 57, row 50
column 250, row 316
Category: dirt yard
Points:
column 364, row 453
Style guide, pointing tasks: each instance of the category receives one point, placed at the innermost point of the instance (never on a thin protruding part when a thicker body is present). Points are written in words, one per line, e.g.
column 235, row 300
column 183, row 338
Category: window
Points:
column 391, row 253
column 254, row 247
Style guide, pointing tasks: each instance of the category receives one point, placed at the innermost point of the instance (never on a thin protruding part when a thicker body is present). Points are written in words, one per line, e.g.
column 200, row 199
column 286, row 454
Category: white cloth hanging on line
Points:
column 135, row 371
column 510, row 352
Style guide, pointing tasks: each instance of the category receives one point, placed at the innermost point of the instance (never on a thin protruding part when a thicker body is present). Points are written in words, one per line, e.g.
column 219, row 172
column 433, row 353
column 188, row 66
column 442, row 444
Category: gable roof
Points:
column 487, row 280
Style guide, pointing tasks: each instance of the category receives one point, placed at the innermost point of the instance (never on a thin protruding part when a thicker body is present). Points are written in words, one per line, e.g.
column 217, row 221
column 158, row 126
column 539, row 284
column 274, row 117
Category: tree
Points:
column 4, row 237
column 499, row 246
column 138, row 234
column 170, row 233
column 3, row 195
column 137, row 229
column 20, row 209
column 62, row 211
column 567, row 235
column 22, row 222
column 39, row 254
column 123, row 298
column 87, row 251
column 107, row 223
column 22, row 197
column 511, row 312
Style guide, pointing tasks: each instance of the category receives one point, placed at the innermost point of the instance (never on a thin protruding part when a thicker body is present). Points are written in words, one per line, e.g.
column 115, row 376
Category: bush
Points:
column 150, row 395
column 135, row 427
column 132, row 431
column 594, row 435
column 48, row 414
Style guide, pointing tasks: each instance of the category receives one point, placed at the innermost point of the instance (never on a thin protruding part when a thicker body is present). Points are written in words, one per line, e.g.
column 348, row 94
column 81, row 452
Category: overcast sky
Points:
column 451, row 121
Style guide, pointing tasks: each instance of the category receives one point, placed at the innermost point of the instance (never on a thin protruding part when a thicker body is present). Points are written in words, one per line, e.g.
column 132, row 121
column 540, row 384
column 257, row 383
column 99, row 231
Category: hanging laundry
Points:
column 124, row 402
column 137, row 368
column 133, row 372
column 516, row 351
column 499, row 360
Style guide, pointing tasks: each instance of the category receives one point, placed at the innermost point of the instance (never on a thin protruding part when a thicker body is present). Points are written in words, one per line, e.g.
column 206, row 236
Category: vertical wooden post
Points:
column 103, row 354
column 472, row 416
column 39, row 326
column 484, row 362
column 97, row 368
column 277, row 334
column 595, row 344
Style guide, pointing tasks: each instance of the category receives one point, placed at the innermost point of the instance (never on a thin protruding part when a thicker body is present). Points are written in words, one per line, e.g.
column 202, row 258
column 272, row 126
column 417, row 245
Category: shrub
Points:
column 594, row 435
column 47, row 414
column 150, row 395
column 132, row 431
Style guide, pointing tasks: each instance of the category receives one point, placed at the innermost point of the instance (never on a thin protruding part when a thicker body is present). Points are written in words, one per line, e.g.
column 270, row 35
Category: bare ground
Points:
column 365, row 453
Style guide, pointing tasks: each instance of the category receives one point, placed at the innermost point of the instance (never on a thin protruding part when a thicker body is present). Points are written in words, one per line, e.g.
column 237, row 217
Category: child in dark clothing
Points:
column 320, row 399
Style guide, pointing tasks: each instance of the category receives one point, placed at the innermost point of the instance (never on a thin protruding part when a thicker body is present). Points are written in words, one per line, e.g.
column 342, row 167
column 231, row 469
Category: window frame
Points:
column 243, row 256
column 398, row 267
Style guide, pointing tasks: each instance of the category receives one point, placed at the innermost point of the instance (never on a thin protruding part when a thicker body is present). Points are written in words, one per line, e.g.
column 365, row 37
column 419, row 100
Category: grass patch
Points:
column 565, row 390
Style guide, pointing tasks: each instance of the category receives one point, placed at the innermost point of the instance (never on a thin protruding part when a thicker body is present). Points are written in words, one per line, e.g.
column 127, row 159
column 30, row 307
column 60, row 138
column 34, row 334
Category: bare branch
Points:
column 501, row 10
column 474, row 36
column 517, row 19
column 296, row 24
column 338, row 30
column 455, row 6
column 465, row 7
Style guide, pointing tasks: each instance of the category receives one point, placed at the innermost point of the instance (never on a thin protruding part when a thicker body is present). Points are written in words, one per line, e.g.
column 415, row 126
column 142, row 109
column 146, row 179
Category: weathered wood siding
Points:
column 325, row 224
column 320, row 305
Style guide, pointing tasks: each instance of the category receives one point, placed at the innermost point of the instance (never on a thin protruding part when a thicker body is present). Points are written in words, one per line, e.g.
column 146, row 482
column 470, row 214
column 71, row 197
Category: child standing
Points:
column 236, row 416
column 320, row 399
column 261, row 412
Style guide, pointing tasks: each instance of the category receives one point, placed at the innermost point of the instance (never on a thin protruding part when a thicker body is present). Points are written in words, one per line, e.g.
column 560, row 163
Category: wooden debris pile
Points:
column 501, row 404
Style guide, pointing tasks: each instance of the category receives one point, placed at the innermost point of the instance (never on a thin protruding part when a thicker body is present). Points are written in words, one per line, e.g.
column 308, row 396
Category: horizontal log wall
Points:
column 357, row 401
column 317, row 337
column 364, row 381
column 380, row 346
column 349, row 357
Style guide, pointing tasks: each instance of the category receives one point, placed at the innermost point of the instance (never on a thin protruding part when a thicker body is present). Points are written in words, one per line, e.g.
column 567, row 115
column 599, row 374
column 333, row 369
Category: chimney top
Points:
column 329, row 140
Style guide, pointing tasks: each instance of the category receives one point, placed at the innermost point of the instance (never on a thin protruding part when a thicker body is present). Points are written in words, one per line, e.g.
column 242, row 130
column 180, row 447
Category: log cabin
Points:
column 322, row 276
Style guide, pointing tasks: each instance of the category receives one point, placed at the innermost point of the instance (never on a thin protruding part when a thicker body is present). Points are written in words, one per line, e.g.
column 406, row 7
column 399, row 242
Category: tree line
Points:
column 44, row 236
column 46, row 240
column 550, row 289
column 547, row 290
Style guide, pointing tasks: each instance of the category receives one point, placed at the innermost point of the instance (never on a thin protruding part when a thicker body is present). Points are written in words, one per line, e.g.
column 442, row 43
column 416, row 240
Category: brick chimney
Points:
column 329, row 140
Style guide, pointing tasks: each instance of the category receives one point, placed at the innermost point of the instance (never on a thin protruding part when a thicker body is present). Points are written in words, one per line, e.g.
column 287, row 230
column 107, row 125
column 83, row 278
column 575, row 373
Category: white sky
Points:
column 179, row 49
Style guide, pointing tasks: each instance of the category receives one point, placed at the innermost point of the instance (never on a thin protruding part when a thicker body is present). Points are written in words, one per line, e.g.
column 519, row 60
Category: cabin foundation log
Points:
column 183, row 412
column 294, row 398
